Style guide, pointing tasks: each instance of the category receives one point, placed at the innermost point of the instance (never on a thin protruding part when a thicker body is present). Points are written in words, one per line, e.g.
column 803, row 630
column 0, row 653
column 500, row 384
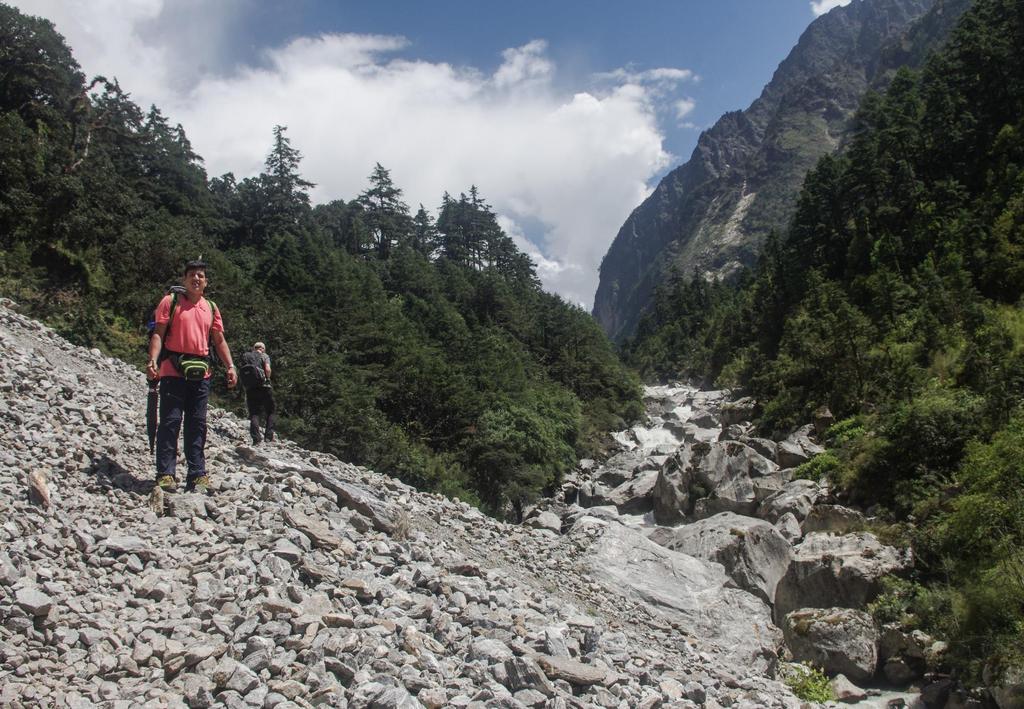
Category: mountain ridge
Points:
column 710, row 215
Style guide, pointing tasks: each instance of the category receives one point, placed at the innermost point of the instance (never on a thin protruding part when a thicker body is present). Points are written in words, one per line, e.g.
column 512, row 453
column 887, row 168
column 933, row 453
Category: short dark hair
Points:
column 196, row 265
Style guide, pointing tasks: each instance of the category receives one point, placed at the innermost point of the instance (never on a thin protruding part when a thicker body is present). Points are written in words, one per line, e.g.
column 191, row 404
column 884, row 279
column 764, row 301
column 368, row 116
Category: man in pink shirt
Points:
column 179, row 356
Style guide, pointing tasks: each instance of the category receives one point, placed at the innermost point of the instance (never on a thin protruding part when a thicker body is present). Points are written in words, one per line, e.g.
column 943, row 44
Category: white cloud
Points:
column 522, row 65
column 574, row 163
column 683, row 108
column 650, row 76
column 820, row 7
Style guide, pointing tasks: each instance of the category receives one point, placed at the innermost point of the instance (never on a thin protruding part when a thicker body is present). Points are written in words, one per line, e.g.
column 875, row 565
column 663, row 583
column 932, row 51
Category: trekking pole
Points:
column 152, row 401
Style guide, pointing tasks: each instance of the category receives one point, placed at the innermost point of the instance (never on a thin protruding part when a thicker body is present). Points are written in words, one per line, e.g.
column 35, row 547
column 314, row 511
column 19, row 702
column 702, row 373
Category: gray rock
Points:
column 726, row 475
column 525, row 673
column 789, row 528
column 489, row 650
column 9, row 573
column 696, row 595
column 834, row 519
column 733, row 412
column 755, row 555
column 796, row 497
column 33, row 601
column 319, row 533
column 118, row 544
column 765, row 446
column 186, row 506
column 790, row 454
column 575, row 673
column 828, row 571
column 838, row 640
column 384, row 515
column 634, row 496
column 847, row 691
column 671, row 494
column 545, row 520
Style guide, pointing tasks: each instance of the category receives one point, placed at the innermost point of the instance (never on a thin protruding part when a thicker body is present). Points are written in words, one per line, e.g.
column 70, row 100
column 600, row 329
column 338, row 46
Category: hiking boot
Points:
column 200, row 485
column 167, row 483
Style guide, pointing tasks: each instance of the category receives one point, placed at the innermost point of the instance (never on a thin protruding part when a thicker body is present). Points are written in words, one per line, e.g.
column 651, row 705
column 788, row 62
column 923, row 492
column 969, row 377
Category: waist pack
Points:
column 192, row 367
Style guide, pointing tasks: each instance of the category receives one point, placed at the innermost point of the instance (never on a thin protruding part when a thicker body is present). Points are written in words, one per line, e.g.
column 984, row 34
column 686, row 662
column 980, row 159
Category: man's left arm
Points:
column 220, row 343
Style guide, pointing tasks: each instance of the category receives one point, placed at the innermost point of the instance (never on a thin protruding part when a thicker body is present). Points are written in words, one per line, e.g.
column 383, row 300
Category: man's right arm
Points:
column 156, row 342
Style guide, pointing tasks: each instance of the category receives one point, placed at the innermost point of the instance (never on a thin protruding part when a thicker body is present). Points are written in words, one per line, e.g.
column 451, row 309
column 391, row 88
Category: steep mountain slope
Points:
column 306, row 581
column 711, row 214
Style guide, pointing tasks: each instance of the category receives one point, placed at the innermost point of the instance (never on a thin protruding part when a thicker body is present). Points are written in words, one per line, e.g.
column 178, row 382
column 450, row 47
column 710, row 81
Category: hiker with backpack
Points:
column 179, row 356
column 259, row 394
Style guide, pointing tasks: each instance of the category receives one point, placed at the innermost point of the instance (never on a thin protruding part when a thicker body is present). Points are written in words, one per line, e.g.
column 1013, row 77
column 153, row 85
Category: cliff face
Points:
column 712, row 214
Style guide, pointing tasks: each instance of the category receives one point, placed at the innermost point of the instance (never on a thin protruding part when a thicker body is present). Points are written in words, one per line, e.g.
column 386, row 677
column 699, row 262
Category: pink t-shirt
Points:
column 190, row 329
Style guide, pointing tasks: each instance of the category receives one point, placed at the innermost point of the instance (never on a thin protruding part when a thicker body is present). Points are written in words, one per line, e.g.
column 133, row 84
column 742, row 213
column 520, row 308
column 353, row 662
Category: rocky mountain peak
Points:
column 710, row 215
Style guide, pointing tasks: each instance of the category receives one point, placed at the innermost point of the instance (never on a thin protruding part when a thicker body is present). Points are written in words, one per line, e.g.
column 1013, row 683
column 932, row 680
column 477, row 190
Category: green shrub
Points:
column 894, row 604
column 845, row 431
column 919, row 448
column 808, row 683
column 817, row 468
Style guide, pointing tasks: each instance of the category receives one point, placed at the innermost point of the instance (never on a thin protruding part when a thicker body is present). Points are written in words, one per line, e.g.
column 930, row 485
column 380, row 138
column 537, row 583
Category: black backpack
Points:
column 251, row 372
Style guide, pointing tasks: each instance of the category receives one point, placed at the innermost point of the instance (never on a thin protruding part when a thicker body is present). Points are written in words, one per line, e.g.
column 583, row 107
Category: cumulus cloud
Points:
column 820, row 7
column 524, row 65
column 683, row 108
column 562, row 169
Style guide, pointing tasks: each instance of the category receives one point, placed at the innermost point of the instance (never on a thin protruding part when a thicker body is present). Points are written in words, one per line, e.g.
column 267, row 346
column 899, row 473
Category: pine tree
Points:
column 424, row 233
column 284, row 189
column 384, row 212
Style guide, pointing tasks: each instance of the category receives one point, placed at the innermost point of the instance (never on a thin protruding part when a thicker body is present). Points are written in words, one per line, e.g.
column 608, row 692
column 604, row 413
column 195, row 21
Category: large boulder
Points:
column 692, row 433
column 738, row 411
column 836, row 571
column 838, row 640
column 625, row 466
column 593, row 494
column 765, row 446
column 704, row 478
column 696, row 595
column 575, row 513
column 726, row 475
column 835, row 519
column 798, row 447
column 384, row 515
column 671, row 496
column 752, row 551
column 769, row 485
column 634, row 496
column 704, row 419
column 796, row 496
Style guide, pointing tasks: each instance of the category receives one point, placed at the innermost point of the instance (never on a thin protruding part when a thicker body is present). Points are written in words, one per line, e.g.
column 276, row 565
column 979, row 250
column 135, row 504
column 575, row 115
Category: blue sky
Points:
column 564, row 114
column 732, row 45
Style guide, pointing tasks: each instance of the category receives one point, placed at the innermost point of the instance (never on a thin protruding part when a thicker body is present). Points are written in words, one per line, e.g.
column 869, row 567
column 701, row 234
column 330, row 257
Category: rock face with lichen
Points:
column 711, row 215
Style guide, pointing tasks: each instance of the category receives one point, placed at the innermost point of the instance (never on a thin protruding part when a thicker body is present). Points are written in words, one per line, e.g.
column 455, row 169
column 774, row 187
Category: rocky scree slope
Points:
column 695, row 484
column 712, row 214
column 304, row 581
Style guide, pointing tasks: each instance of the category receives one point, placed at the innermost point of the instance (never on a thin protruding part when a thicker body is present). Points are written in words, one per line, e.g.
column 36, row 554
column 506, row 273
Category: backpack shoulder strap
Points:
column 213, row 312
column 170, row 315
